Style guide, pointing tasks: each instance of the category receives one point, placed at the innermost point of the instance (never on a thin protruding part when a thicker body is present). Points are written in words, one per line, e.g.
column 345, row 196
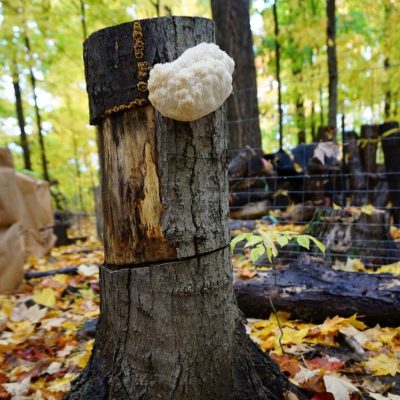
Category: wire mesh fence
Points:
column 350, row 201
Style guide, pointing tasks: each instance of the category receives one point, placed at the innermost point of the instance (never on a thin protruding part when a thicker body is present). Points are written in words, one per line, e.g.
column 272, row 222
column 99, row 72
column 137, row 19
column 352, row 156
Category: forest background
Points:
column 41, row 73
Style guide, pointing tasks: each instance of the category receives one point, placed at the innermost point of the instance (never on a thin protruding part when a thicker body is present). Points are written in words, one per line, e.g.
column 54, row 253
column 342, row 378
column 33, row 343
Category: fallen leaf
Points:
column 18, row 389
column 46, row 297
column 378, row 396
column 32, row 314
column 339, row 386
column 88, row 270
column 382, row 364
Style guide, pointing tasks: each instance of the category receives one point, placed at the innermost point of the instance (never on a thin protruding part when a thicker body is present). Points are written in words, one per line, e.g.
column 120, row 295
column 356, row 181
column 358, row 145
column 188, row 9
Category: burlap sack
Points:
column 9, row 198
column 36, row 214
column 12, row 257
column 6, row 159
column 26, row 222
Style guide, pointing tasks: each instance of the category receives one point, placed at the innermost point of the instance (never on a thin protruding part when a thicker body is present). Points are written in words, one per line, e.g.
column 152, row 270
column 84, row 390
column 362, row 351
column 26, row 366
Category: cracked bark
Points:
column 169, row 327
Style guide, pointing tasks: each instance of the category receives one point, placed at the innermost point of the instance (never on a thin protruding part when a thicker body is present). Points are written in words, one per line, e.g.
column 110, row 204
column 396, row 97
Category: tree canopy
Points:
column 44, row 38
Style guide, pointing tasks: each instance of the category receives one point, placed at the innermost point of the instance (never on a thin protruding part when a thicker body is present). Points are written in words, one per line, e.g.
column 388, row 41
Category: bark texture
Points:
column 234, row 36
column 169, row 327
column 312, row 291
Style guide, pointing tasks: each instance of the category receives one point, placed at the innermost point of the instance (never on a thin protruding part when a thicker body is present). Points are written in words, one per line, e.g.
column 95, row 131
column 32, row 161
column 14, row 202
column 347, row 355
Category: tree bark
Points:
column 312, row 291
column 21, row 120
column 168, row 327
column 278, row 72
column 332, row 62
column 234, row 36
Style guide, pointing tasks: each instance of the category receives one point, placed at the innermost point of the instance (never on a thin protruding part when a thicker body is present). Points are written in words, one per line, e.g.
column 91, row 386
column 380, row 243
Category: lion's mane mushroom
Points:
column 192, row 86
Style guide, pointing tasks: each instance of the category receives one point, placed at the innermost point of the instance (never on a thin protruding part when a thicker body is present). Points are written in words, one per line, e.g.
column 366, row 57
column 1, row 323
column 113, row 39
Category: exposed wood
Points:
column 233, row 34
column 312, row 291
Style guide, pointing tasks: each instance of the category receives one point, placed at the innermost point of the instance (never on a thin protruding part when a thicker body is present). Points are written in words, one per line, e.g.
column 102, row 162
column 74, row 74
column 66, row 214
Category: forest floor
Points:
column 47, row 333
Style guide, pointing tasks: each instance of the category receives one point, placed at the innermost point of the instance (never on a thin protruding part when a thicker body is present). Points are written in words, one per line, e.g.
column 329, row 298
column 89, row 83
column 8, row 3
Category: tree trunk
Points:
column 234, row 36
column 169, row 327
column 278, row 71
column 332, row 62
column 21, row 120
column 42, row 146
column 375, row 298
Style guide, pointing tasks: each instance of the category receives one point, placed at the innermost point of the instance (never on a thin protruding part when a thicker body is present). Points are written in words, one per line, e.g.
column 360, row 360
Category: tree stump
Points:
column 169, row 327
column 346, row 233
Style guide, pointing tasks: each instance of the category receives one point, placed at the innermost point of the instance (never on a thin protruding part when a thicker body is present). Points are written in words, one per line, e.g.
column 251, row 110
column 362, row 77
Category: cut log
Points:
column 251, row 210
column 239, row 164
column 312, row 291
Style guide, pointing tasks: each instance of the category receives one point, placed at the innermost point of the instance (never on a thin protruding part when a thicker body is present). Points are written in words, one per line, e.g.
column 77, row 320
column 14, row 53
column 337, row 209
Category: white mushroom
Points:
column 192, row 86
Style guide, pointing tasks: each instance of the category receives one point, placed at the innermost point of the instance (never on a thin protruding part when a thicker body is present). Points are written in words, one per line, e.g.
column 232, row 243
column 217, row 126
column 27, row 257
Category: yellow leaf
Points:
column 61, row 384
column 390, row 268
column 368, row 209
column 353, row 321
column 336, row 207
column 382, row 364
column 45, row 297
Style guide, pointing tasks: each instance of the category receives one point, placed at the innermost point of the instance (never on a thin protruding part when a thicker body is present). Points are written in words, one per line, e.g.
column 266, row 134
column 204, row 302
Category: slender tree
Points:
column 386, row 62
column 42, row 146
column 278, row 71
column 233, row 34
column 21, row 119
column 332, row 63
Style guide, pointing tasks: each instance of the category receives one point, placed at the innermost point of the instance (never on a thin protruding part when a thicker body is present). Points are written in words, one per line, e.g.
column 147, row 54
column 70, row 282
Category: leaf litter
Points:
column 44, row 346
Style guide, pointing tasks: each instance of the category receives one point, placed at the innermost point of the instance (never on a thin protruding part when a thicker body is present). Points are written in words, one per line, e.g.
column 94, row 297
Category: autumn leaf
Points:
column 339, row 386
column 46, row 297
column 378, row 396
column 382, row 364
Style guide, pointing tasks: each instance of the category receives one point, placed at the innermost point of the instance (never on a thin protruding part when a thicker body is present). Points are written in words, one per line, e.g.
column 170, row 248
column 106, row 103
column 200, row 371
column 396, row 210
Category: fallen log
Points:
column 312, row 291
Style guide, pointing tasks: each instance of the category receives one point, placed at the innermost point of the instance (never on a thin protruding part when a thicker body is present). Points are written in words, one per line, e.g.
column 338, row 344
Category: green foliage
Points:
column 56, row 34
column 266, row 242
